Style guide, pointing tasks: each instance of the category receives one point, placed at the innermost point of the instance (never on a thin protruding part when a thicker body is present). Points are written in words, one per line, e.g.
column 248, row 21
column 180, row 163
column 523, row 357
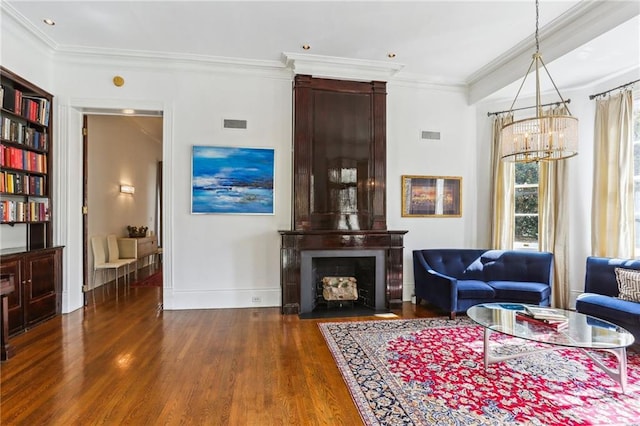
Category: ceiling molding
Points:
column 343, row 68
column 145, row 59
column 9, row 11
column 93, row 55
column 580, row 24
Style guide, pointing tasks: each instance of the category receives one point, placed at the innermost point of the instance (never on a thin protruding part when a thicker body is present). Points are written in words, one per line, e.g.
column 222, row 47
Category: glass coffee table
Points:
column 583, row 332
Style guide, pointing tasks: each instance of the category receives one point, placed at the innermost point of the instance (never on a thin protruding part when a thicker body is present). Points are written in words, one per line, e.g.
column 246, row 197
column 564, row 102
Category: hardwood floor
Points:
column 128, row 362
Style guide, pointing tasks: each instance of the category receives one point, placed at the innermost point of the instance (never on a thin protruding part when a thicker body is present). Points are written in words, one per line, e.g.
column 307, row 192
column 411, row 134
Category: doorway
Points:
column 122, row 184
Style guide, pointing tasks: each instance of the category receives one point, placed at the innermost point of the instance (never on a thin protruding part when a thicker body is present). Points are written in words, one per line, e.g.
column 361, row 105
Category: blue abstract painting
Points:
column 232, row 180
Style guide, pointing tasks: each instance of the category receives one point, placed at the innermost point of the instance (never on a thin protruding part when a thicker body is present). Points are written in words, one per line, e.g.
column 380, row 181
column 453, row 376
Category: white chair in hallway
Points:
column 102, row 263
column 114, row 255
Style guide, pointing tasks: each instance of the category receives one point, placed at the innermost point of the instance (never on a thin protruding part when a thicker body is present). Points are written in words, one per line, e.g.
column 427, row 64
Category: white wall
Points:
column 219, row 261
column 210, row 260
column 119, row 152
column 410, row 110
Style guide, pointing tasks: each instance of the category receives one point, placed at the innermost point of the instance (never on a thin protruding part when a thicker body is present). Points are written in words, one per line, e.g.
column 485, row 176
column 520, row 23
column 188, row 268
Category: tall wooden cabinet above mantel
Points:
column 339, row 192
column 339, row 150
column 27, row 251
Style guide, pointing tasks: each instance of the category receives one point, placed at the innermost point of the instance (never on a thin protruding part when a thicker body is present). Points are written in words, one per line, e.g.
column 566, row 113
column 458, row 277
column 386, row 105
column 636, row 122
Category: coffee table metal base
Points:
column 619, row 375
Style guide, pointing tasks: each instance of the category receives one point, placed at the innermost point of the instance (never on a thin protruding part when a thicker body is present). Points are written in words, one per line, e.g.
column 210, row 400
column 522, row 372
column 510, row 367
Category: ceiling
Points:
column 458, row 43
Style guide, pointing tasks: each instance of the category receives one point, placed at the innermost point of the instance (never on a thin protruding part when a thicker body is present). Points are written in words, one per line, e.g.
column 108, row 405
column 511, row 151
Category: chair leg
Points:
column 105, row 277
column 93, row 287
column 127, row 283
column 452, row 315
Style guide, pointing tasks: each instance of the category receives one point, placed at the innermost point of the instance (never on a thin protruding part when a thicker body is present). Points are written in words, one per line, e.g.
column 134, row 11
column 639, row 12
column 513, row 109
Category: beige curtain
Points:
column 612, row 219
column 553, row 223
column 502, row 191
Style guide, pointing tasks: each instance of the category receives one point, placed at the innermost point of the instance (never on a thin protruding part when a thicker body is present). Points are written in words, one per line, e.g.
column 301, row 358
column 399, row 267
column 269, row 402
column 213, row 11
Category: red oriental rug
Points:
column 153, row 280
column 431, row 372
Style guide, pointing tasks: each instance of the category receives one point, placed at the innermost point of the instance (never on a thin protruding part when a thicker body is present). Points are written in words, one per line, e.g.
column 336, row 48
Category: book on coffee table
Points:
column 556, row 324
column 545, row 313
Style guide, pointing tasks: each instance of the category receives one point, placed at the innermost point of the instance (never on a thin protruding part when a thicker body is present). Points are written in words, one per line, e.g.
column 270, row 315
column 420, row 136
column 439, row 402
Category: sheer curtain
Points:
column 612, row 217
column 553, row 225
column 502, row 191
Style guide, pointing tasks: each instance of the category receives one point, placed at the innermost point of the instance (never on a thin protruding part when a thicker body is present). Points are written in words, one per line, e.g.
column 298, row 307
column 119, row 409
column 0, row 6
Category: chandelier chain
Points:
column 547, row 136
column 537, row 19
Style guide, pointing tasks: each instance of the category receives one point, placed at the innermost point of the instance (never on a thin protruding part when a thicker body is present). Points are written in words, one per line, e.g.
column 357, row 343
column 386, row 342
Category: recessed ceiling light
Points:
column 391, row 55
column 306, row 46
column 49, row 22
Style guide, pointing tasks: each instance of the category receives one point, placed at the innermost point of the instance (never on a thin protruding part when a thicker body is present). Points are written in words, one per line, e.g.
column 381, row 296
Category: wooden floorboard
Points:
column 129, row 362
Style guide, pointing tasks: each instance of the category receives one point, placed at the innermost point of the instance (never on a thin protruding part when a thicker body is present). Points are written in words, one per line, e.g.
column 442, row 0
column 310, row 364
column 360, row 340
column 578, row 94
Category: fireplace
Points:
column 339, row 196
column 366, row 266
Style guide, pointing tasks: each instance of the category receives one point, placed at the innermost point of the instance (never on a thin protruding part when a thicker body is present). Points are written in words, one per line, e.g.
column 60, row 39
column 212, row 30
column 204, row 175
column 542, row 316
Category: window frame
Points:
column 525, row 245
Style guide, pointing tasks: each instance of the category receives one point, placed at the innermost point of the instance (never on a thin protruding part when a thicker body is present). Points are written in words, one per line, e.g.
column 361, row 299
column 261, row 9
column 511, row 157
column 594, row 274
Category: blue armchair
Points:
column 601, row 290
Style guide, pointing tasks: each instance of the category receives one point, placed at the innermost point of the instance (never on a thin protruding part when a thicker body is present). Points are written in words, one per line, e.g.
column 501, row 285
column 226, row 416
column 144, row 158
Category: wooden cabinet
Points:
column 26, row 231
column 37, row 277
column 138, row 248
column 25, row 159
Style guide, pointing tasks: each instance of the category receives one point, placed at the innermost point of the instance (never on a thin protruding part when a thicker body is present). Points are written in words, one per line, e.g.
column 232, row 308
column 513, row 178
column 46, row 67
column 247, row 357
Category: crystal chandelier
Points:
column 545, row 137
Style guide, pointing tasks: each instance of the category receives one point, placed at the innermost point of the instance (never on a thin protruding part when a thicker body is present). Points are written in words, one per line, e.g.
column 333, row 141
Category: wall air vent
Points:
column 235, row 124
column 430, row 135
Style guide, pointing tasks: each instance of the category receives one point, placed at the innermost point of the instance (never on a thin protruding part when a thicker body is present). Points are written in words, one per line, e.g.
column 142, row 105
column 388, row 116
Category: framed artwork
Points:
column 232, row 180
column 431, row 196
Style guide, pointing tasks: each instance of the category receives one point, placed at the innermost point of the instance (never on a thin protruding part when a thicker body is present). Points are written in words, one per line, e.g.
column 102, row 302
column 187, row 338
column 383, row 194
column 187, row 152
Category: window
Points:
column 636, row 166
column 526, row 206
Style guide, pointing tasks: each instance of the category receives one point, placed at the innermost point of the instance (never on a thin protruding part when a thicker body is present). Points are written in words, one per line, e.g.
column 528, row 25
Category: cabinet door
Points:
column 41, row 271
column 13, row 265
column 147, row 246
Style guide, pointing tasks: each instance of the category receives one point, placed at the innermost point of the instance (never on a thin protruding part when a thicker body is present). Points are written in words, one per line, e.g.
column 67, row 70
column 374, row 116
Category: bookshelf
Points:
column 25, row 160
column 27, row 254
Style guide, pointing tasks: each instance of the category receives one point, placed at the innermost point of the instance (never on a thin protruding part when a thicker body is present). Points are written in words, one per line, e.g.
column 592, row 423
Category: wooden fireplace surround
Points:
column 339, row 180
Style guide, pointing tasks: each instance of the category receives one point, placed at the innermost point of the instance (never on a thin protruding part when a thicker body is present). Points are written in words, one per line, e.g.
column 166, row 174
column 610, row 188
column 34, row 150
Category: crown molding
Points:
column 342, row 68
column 147, row 59
column 432, row 82
column 9, row 11
column 580, row 24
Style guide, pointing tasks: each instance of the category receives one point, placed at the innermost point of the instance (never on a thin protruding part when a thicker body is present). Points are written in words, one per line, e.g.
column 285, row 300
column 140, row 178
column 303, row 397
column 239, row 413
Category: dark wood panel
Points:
column 12, row 265
column 40, row 288
column 339, row 173
column 339, row 130
column 38, row 281
column 293, row 242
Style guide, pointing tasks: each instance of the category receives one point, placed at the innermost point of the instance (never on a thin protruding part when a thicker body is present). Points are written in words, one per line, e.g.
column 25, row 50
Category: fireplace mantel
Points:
column 339, row 181
column 293, row 243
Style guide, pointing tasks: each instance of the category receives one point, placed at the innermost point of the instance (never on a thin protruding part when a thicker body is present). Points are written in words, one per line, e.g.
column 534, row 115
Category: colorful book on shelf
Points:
column 556, row 324
column 540, row 312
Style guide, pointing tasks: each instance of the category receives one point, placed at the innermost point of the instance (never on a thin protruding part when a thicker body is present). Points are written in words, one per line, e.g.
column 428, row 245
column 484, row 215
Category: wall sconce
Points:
column 127, row 189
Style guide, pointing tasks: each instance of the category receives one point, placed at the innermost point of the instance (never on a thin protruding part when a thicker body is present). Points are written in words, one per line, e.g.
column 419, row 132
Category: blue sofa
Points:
column 601, row 291
column 456, row 279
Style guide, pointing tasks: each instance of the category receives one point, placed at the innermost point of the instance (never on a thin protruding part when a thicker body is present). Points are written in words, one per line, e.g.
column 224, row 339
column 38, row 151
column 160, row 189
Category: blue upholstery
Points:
column 456, row 279
column 601, row 291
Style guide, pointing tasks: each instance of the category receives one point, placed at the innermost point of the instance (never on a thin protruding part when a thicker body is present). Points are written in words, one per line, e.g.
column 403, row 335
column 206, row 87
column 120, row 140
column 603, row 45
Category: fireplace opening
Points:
column 363, row 269
column 366, row 266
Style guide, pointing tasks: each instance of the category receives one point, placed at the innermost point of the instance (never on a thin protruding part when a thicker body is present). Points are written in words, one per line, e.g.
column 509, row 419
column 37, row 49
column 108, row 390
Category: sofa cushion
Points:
column 474, row 289
column 463, row 264
column 628, row 284
column 609, row 308
column 520, row 291
column 600, row 277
